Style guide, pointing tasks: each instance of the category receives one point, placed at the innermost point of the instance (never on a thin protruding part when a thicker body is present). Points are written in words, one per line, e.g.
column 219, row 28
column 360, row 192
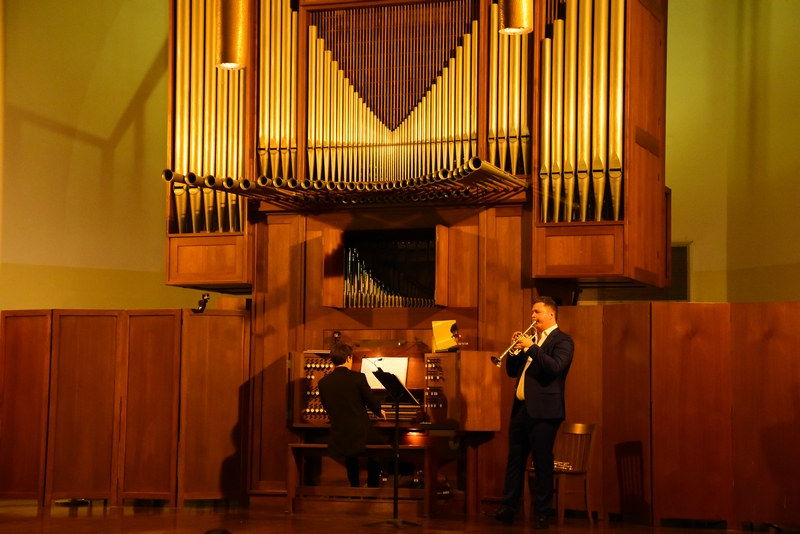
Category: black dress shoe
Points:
column 504, row 515
column 540, row 523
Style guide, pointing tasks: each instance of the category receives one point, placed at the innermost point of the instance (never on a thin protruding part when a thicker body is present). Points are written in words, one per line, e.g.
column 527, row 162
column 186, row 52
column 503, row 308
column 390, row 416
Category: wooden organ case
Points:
column 413, row 117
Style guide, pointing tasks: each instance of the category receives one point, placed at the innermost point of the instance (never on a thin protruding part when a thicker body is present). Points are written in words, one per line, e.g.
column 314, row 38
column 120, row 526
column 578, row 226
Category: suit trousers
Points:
column 525, row 435
column 373, row 472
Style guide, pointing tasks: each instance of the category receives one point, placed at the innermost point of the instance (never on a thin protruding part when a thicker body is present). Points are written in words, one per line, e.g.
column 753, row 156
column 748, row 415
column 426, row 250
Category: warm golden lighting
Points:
column 232, row 25
column 516, row 16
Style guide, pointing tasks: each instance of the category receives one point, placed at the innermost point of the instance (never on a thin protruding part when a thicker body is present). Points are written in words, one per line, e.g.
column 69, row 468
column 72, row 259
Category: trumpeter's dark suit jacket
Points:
column 344, row 394
column 546, row 375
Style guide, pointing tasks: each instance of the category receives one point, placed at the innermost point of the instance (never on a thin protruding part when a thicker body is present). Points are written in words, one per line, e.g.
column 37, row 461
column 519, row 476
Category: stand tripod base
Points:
column 397, row 523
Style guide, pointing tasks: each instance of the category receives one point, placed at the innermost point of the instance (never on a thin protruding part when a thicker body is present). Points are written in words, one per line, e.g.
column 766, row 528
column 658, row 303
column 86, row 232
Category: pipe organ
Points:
column 385, row 105
column 536, row 161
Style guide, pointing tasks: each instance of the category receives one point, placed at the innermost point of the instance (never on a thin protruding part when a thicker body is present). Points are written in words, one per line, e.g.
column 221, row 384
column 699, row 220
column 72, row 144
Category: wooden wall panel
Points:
column 765, row 361
column 691, row 404
column 88, row 348
column 214, row 405
column 480, row 396
column 24, row 388
column 627, row 480
column 278, row 329
column 333, row 267
column 584, row 390
column 149, row 432
column 647, row 248
column 462, row 269
column 504, row 308
column 208, row 260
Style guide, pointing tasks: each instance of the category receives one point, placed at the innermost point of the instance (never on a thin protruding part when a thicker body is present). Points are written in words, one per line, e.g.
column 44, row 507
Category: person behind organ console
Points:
column 345, row 395
column 541, row 371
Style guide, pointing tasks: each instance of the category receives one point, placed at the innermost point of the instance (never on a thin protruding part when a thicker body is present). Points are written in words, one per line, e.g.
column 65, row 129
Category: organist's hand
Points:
column 383, row 414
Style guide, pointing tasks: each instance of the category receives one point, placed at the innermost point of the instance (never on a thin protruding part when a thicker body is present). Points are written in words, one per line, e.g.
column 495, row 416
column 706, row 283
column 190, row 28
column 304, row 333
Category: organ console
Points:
column 446, row 383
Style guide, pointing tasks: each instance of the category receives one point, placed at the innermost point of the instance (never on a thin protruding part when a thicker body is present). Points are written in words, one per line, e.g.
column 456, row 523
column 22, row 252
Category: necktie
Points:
column 521, row 385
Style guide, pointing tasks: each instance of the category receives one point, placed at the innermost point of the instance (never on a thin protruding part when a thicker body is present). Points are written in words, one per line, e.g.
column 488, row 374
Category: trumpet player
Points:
column 540, row 369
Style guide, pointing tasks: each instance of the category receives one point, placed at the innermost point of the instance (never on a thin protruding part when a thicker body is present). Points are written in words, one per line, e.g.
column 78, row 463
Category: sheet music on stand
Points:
column 395, row 388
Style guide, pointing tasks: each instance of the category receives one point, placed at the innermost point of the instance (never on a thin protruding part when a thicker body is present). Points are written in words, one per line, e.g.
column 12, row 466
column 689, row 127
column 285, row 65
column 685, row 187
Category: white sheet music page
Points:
column 398, row 366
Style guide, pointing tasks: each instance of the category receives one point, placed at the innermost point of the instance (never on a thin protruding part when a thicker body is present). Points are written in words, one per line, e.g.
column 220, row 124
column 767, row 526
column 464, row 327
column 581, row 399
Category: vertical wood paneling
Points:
column 691, row 396
column 765, row 361
column 278, row 304
column 584, row 390
column 333, row 267
column 480, row 398
column 149, row 433
column 626, row 442
column 214, row 405
column 504, row 307
column 462, row 257
column 645, row 110
column 24, row 387
column 88, row 348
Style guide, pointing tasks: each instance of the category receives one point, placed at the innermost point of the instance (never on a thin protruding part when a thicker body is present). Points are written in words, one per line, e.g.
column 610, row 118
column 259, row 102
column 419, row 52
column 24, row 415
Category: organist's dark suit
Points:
column 345, row 394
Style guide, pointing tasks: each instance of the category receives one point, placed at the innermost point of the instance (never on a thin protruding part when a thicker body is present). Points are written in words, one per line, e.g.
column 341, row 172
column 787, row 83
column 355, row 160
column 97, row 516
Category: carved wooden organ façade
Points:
column 382, row 105
column 379, row 165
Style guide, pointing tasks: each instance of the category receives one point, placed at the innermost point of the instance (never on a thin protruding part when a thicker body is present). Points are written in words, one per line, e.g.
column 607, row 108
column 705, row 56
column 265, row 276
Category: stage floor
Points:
column 22, row 518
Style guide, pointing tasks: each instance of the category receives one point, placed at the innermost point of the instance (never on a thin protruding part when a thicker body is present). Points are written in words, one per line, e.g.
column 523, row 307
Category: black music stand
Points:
column 398, row 393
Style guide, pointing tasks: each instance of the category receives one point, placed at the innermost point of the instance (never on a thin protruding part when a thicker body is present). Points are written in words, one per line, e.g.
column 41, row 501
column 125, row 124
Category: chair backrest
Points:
column 574, row 445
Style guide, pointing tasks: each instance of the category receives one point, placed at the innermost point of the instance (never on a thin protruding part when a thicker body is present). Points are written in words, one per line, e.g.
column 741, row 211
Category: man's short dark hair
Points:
column 548, row 303
column 340, row 352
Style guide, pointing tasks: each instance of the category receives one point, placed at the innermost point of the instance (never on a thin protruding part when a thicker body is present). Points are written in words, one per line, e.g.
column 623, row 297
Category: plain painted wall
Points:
column 733, row 112
column 85, row 125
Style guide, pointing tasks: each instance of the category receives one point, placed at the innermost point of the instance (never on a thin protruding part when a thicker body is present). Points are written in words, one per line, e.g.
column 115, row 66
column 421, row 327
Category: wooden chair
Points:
column 572, row 451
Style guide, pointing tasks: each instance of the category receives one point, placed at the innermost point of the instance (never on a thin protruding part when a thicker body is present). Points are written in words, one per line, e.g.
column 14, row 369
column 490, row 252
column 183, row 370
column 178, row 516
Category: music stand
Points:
column 398, row 393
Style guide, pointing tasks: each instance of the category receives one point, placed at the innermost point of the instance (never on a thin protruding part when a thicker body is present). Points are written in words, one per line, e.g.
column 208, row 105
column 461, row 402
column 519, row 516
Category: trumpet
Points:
column 498, row 360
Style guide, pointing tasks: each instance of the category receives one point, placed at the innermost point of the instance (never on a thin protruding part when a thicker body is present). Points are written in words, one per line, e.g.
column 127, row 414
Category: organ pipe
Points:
column 615, row 102
column 209, row 120
column 600, row 104
column 557, row 114
column 584, row 128
column 544, row 140
column 584, row 103
column 392, row 96
column 570, row 104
